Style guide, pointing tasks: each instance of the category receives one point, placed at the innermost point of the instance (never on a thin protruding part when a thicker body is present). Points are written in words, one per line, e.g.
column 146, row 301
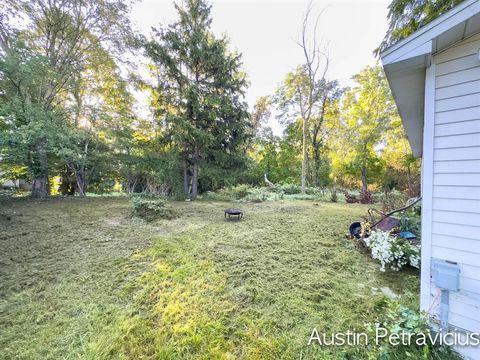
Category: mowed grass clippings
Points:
column 81, row 279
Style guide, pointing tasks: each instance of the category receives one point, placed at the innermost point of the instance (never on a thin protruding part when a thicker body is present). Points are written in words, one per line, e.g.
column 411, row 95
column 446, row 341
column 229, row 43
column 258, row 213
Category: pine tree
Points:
column 199, row 94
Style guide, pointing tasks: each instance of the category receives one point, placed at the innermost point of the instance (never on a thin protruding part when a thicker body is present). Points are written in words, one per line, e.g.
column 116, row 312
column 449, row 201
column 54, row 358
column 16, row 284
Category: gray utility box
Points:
column 446, row 275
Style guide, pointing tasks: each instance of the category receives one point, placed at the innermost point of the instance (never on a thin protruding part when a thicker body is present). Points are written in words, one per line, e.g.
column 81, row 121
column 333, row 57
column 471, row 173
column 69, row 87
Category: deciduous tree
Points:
column 44, row 45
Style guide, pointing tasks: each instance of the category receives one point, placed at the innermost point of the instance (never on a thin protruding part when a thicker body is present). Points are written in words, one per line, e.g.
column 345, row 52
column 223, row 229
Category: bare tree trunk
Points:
column 317, row 70
column 304, row 157
column 40, row 183
column 195, row 174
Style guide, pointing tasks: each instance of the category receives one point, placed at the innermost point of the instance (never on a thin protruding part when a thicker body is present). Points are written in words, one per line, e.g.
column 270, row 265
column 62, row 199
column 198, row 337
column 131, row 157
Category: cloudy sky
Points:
column 264, row 31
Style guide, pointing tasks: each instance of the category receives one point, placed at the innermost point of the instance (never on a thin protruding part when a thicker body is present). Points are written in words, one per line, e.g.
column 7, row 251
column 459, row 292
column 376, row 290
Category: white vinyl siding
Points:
column 455, row 203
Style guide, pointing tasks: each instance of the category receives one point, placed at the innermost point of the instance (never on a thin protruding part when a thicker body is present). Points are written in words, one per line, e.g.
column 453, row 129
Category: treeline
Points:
column 68, row 121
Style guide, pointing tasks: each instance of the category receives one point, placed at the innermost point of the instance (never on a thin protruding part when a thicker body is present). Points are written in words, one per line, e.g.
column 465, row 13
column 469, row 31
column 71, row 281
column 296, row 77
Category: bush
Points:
column 245, row 192
column 392, row 251
column 302, row 197
column 410, row 223
column 333, row 195
column 150, row 208
column 257, row 195
column 391, row 200
column 350, row 198
column 287, row 189
column 400, row 320
column 366, row 197
column 233, row 193
column 240, row 191
column 220, row 195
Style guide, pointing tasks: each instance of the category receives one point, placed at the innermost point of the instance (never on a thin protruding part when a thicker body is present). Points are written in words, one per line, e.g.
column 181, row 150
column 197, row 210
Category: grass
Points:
column 79, row 278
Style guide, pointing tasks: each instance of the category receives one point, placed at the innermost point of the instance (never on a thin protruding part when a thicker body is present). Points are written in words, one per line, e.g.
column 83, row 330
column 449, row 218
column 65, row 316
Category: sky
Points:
column 265, row 31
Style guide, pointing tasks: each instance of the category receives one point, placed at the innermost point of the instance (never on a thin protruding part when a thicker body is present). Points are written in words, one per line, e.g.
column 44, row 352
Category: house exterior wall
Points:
column 451, row 181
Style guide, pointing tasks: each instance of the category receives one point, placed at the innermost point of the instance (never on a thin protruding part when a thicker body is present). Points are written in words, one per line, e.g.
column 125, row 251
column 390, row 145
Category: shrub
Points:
column 410, row 223
column 366, row 197
column 392, row 251
column 333, row 195
column 301, row 197
column 233, row 193
column 350, row 198
column 288, row 189
column 240, row 191
column 391, row 200
column 220, row 195
column 150, row 208
column 257, row 195
column 400, row 319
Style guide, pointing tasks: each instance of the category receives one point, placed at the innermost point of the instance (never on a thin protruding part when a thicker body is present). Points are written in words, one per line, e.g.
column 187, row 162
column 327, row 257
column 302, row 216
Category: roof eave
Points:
column 405, row 64
column 454, row 16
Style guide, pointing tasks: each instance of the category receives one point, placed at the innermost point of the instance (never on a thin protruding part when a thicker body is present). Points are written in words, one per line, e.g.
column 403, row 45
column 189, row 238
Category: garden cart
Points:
column 383, row 221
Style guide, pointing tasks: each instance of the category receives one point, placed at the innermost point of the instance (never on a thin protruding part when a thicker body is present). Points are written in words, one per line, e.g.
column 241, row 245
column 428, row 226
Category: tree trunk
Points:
column 40, row 186
column 81, row 181
column 40, row 183
column 316, row 159
column 67, row 186
column 186, row 189
column 195, row 174
column 304, row 158
column 409, row 180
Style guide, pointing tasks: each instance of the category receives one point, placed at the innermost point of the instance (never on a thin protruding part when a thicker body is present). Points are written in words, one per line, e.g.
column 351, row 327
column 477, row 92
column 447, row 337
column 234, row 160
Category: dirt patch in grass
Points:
column 79, row 278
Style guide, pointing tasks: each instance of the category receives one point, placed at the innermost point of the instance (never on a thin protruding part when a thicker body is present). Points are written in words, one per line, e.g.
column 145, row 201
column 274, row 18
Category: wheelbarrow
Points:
column 380, row 220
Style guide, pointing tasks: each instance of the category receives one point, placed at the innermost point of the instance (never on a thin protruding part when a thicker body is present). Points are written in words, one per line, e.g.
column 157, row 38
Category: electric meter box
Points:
column 446, row 275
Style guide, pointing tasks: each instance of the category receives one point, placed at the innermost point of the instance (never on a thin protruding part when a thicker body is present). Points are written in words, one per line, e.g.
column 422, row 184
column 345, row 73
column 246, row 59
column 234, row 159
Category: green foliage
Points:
column 368, row 112
column 151, row 208
column 258, row 195
column 391, row 200
column 199, row 96
column 233, row 193
column 87, row 134
column 49, row 63
column 400, row 318
column 407, row 16
column 411, row 222
column 243, row 193
column 240, row 191
column 355, row 144
column 12, row 172
column 31, row 129
column 287, row 189
column 333, row 195
column 305, row 105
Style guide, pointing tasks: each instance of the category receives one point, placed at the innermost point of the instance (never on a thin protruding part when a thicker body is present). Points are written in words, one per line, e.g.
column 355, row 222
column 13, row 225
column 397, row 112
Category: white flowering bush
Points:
column 391, row 251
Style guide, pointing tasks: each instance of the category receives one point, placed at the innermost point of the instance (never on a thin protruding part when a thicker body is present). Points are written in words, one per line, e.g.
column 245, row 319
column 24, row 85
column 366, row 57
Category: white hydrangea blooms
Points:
column 414, row 259
column 391, row 251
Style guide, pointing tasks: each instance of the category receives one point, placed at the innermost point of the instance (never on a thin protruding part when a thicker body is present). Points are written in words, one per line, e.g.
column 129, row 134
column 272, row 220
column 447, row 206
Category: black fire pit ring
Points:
column 233, row 212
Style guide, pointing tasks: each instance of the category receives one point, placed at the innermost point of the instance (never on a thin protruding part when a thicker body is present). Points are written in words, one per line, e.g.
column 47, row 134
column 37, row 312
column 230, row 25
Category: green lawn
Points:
column 81, row 279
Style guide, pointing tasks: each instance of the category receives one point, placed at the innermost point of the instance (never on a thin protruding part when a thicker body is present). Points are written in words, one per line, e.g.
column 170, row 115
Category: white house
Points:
column 434, row 75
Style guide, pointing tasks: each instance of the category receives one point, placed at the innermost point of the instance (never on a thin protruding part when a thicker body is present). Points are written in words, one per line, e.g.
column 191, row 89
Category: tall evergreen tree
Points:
column 200, row 90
